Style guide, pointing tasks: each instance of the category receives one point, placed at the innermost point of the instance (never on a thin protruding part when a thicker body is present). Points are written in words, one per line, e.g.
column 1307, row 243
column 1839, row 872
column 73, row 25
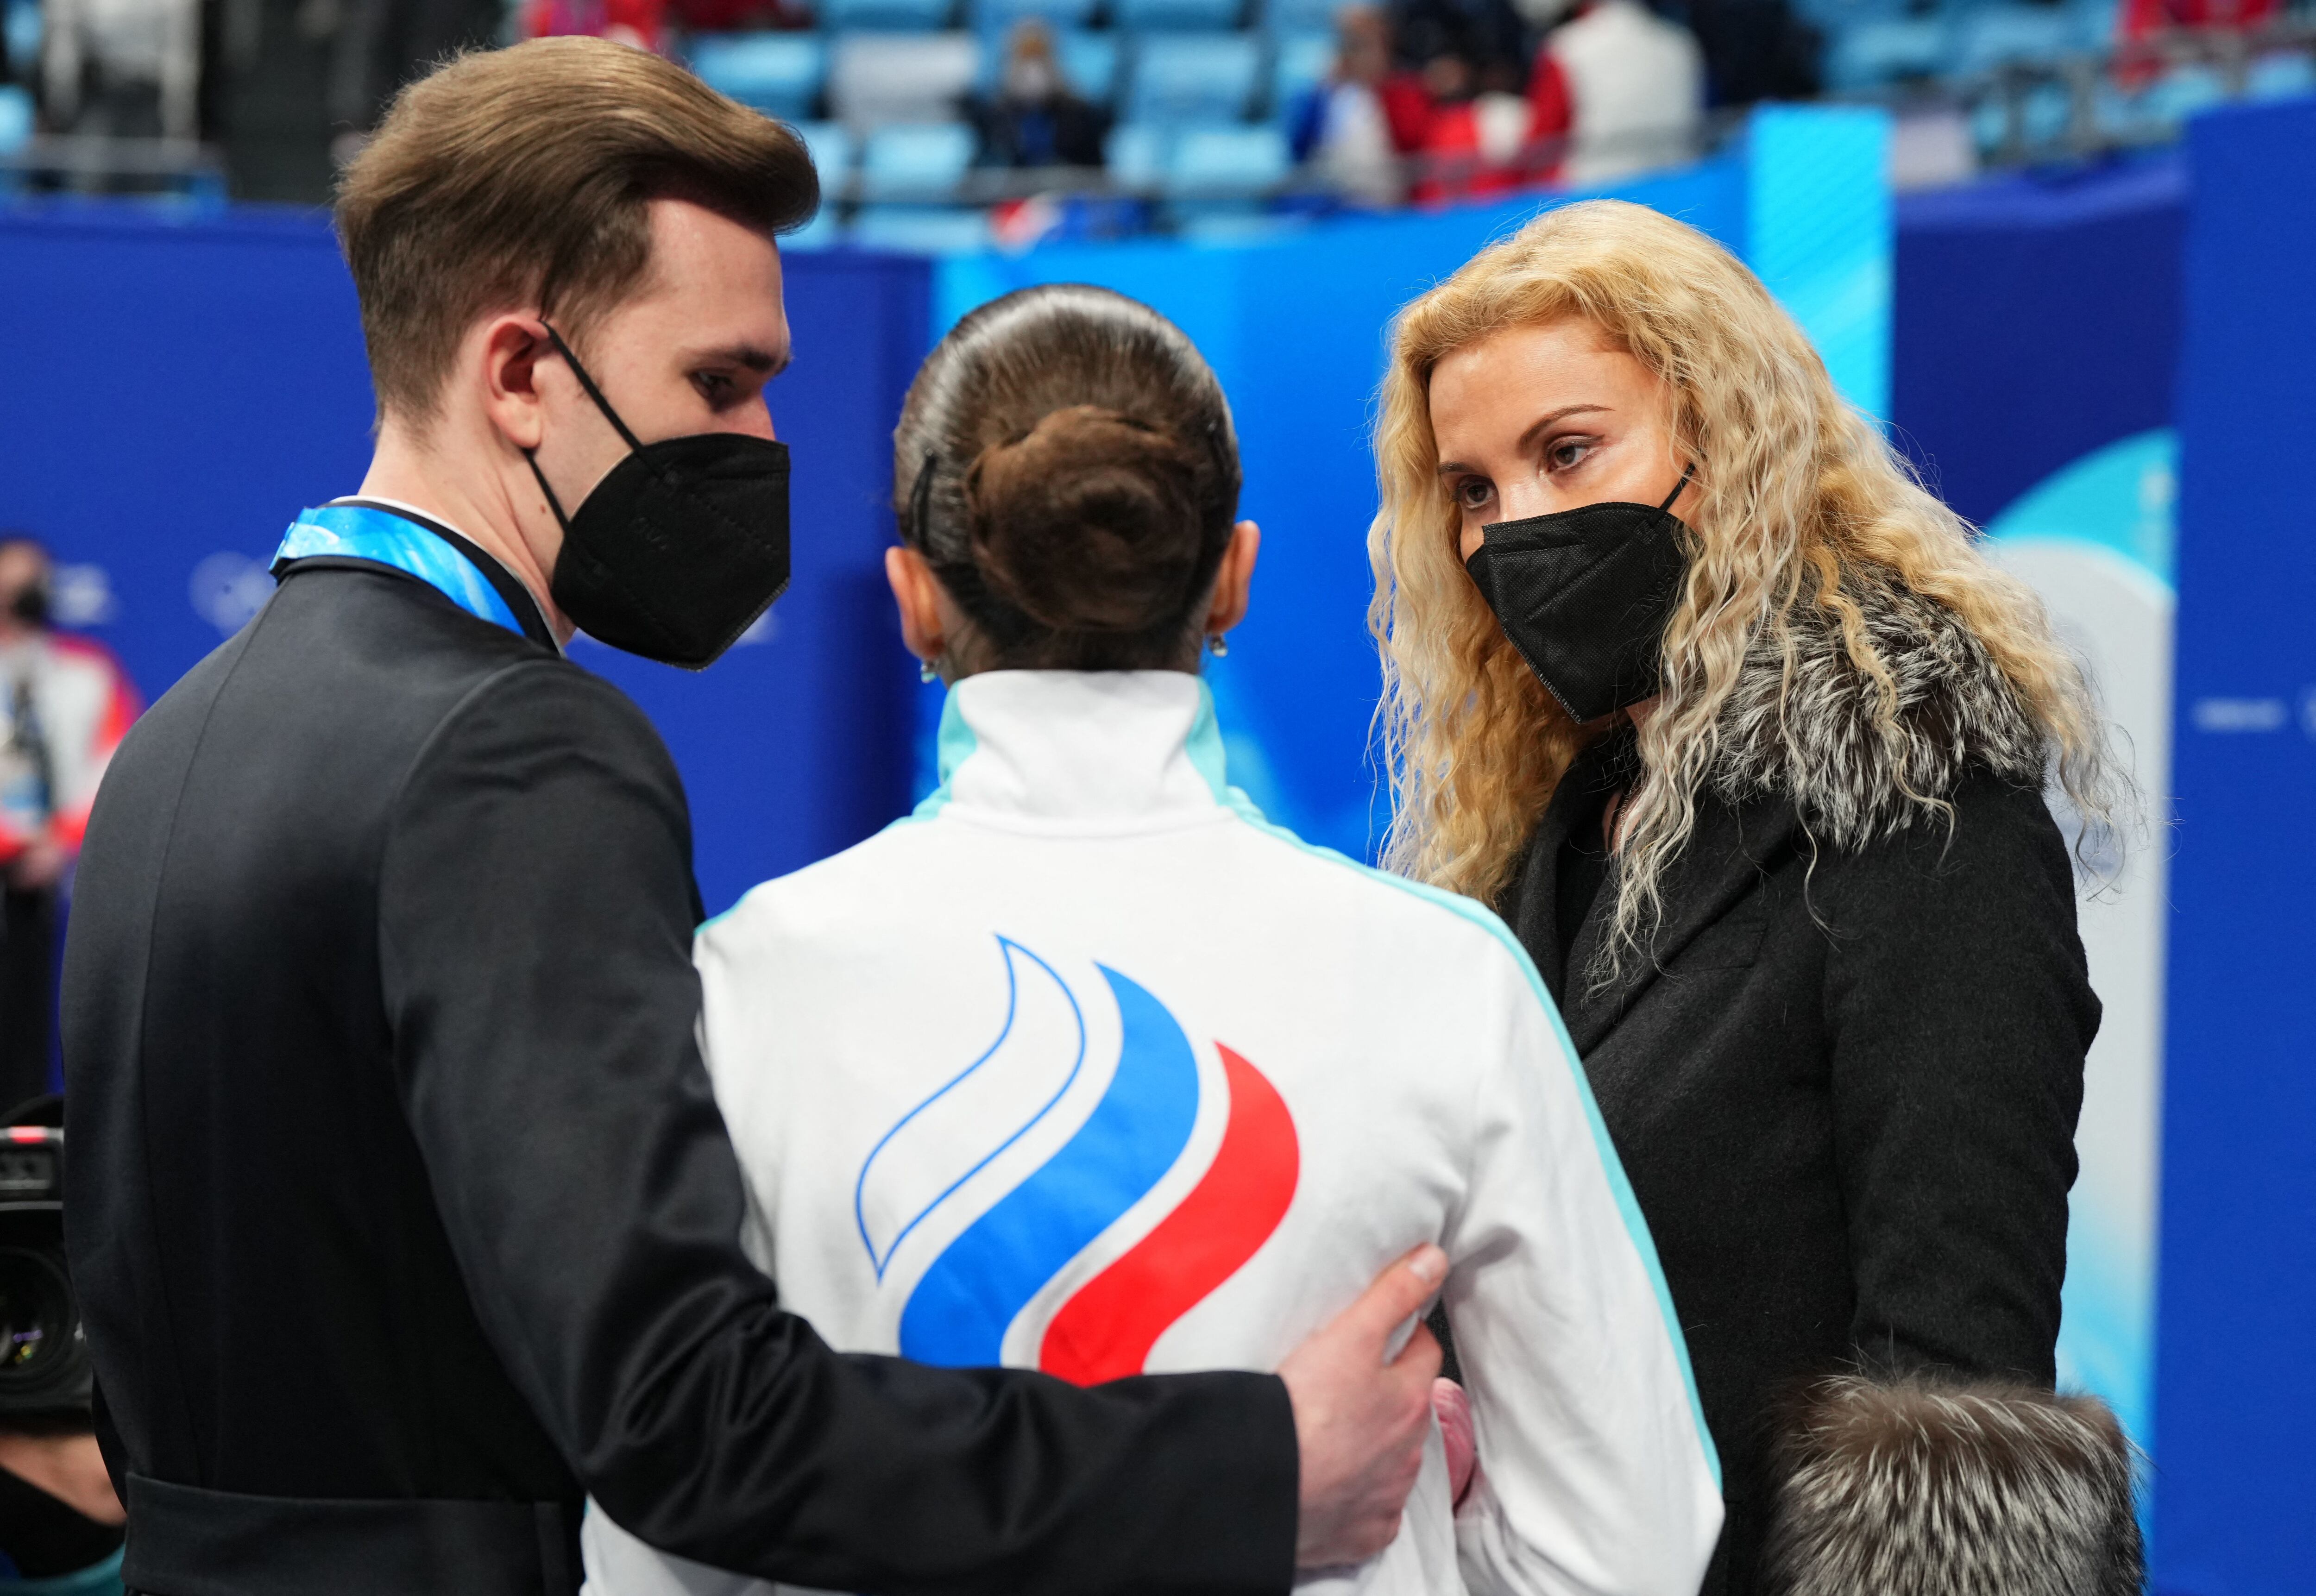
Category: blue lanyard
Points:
column 357, row 531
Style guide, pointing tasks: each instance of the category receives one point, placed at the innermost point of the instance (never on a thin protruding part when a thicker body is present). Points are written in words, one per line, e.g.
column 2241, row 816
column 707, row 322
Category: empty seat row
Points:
column 2046, row 112
column 924, row 162
column 919, row 16
column 872, row 78
column 1873, row 51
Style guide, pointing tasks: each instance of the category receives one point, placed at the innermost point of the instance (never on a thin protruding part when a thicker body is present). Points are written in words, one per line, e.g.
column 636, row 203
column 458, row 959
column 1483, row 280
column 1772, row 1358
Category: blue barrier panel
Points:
column 2037, row 319
column 180, row 389
column 1817, row 230
column 2037, row 344
column 2236, row 1359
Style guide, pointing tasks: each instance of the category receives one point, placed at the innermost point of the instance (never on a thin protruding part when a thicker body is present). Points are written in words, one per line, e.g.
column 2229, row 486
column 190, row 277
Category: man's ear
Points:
column 917, row 595
column 1227, row 608
column 511, row 350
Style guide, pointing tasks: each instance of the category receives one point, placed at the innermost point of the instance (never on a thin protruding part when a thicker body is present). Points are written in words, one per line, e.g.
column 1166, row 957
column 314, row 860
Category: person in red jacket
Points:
column 64, row 703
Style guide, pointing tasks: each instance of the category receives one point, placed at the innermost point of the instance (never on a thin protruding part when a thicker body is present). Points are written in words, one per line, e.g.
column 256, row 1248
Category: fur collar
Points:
column 1823, row 749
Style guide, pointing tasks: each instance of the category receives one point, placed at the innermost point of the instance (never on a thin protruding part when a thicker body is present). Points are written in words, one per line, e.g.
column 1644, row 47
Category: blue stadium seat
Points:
column 2044, row 111
column 900, row 78
column 888, row 16
column 16, row 119
column 1183, row 78
column 914, row 161
column 2283, row 75
column 778, row 74
column 1871, row 55
column 2095, row 22
column 2182, row 92
column 1301, row 16
column 1832, row 17
column 1180, row 16
column 1996, row 36
column 1227, row 162
column 1090, row 65
column 921, row 229
column 832, row 147
column 996, row 16
column 1300, row 63
column 1137, row 155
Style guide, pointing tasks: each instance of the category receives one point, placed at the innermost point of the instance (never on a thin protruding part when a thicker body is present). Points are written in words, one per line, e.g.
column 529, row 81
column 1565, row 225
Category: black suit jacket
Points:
column 401, row 1211
column 1844, row 1087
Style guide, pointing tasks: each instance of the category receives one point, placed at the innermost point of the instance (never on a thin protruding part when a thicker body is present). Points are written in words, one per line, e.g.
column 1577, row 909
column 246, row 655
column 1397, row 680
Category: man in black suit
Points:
column 399, row 1206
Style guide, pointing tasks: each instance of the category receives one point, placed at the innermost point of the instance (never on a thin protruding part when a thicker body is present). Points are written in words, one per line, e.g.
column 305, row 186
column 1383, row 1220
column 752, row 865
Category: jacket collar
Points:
column 1081, row 750
column 1731, row 845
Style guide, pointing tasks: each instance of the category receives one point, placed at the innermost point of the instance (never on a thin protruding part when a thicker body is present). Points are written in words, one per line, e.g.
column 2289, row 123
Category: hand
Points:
column 69, row 1467
column 1359, row 1421
column 1453, row 1408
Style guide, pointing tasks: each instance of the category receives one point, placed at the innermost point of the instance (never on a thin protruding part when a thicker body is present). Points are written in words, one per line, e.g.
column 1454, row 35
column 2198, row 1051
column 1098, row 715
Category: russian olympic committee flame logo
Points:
column 960, row 1308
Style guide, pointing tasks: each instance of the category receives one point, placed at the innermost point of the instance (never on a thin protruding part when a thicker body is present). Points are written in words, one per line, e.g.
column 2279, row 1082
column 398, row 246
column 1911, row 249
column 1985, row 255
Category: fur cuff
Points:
column 1916, row 1488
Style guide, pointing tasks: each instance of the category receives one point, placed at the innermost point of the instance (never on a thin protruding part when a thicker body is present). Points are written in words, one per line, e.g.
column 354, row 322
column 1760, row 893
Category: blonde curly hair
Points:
column 1801, row 504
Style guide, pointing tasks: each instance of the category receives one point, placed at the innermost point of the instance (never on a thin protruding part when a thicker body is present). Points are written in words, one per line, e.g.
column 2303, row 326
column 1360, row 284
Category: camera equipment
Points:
column 44, row 1365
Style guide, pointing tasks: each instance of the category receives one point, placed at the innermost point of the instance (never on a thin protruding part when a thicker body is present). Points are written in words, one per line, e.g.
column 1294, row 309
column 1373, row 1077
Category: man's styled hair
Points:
column 523, row 177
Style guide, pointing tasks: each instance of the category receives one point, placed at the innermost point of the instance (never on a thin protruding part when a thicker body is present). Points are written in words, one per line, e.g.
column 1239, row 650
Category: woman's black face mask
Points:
column 1586, row 594
column 679, row 547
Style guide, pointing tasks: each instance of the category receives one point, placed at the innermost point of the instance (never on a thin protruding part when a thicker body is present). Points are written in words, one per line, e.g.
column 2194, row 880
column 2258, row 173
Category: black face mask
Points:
column 1585, row 595
column 30, row 605
column 681, row 547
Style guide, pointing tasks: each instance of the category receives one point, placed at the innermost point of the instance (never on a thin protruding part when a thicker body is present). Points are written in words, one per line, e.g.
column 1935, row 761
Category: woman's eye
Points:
column 1474, row 495
column 1567, row 453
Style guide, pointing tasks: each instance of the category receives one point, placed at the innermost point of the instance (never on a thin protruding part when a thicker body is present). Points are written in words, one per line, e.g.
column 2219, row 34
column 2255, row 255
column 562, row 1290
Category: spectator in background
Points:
column 1754, row 50
column 1034, row 119
column 65, row 703
column 638, row 23
column 1627, row 86
column 1479, row 129
column 1359, row 125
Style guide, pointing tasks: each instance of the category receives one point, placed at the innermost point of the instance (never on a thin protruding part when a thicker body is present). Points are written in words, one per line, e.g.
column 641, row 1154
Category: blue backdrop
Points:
column 2237, row 1394
column 179, row 390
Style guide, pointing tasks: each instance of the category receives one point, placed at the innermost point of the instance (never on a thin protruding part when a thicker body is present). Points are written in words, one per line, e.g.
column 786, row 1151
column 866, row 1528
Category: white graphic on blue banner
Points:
column 2094, row 540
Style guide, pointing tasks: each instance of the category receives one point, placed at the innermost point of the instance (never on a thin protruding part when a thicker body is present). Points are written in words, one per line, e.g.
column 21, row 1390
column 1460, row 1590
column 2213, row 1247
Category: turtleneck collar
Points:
column 1082, row 751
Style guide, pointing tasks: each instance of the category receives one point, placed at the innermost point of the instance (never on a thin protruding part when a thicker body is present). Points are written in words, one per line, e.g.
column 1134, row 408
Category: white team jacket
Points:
column 1085, row 1066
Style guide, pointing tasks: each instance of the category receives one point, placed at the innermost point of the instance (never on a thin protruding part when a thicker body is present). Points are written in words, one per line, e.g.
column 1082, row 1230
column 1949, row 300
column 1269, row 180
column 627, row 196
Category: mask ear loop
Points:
column 530, row 456
column 1677, row 487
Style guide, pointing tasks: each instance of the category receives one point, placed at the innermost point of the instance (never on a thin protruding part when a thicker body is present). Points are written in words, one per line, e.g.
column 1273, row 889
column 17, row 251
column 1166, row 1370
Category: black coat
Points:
column 1844, row 1083
column 402, row 1213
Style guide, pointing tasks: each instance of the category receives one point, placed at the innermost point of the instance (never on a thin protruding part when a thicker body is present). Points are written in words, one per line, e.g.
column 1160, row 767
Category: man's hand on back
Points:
column 1360, row 1420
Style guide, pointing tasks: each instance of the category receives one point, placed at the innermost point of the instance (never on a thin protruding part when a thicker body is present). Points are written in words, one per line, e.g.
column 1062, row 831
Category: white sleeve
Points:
column 1595, row 1472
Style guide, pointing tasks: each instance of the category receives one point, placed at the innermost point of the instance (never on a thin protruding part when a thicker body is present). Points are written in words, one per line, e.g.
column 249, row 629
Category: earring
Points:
column 1218, row 645
column 925, row 671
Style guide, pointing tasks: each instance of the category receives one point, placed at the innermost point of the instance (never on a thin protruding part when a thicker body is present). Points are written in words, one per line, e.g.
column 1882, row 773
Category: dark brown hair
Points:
column 1066, row 463
column 522, row 176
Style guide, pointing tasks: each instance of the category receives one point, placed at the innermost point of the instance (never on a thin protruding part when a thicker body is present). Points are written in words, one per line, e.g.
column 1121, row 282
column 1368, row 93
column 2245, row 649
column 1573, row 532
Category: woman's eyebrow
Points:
column 1562, row 413
column 1528, row 438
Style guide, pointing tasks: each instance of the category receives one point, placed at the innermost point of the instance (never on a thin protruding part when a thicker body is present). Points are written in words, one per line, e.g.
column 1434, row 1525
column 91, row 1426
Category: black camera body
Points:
column 45, row 1371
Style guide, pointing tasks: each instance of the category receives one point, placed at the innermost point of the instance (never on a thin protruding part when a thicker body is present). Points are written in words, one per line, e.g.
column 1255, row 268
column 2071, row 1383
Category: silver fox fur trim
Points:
column 1817, row 739
column 1917, row 1488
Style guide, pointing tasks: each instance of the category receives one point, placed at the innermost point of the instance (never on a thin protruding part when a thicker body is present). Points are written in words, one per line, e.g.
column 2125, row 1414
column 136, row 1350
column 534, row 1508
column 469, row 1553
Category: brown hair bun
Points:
column 1091, row 523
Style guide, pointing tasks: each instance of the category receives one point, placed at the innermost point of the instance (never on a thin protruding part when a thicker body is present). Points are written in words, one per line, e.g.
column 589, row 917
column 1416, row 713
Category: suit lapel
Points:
column 1725, row 858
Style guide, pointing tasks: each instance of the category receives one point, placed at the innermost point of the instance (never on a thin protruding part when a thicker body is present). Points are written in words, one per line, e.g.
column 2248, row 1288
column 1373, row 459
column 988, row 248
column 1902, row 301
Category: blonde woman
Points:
column 1737, row 728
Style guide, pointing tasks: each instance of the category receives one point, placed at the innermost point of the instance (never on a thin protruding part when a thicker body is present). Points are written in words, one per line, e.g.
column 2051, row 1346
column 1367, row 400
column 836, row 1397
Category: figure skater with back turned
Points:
column 1086, row 1068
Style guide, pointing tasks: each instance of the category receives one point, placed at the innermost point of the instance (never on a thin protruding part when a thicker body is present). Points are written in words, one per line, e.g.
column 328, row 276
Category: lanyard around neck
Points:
column 358, row 531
